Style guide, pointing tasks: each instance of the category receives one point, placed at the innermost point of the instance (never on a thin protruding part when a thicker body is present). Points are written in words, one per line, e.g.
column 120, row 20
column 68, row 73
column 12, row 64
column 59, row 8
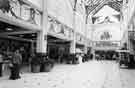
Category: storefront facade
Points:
column 127, row 25
column 42, row 24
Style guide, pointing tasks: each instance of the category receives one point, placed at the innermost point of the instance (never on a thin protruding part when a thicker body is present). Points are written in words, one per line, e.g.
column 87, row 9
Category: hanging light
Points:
column 9, row 29
column 33, row 35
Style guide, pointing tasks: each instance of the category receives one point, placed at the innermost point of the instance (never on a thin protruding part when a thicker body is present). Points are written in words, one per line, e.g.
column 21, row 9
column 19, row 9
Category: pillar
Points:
column 73, row 42
column 73, row 47
column 42, row 35
column 41, row 43
column 86, row 34
column 32, row 47
column 85, row 49
column 94, row 55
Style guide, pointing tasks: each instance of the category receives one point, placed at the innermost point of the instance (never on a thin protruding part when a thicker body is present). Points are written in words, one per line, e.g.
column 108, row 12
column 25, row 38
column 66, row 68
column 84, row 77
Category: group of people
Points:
column 14, row 62
column 106, row 57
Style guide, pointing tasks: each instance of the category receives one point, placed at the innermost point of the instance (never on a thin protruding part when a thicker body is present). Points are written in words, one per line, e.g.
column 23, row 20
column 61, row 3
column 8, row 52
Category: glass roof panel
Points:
column 93, row 6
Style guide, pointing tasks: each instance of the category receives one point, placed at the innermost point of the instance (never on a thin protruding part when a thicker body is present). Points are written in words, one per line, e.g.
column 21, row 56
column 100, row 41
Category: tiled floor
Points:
column 93, row 74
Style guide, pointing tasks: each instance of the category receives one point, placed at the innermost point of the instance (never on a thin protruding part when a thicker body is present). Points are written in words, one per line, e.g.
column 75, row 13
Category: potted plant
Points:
column 35, row 63
column 46, row 64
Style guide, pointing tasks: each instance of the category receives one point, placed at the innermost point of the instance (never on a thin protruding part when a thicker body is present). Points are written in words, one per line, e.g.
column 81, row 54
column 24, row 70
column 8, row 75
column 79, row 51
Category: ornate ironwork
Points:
column 5, row 5
column 58, row 28
column 93, row 6
column 10, row 6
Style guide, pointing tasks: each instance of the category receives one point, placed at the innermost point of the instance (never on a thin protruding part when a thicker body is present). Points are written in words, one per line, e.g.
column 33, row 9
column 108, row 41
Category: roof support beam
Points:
column 99, row 6
column 17, row 38
column 20, row 23
column 94, row 8
column 17, row 33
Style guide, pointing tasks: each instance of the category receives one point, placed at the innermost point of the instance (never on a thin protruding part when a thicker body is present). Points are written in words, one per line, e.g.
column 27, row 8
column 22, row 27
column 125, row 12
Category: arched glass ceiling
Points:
column 93, row 6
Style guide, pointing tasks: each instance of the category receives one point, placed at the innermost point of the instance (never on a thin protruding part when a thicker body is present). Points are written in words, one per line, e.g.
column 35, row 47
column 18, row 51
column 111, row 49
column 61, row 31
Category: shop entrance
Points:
column 80, row 46
column 105, row 55
column 17, row 42
column 58, row 49
column 17, row 38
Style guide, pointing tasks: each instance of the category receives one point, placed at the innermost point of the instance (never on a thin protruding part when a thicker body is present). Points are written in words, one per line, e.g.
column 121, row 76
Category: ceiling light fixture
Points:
column 33, row 35
column 9, row 29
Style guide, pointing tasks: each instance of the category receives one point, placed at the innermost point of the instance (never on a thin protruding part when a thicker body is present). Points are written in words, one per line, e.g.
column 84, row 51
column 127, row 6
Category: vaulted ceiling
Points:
column 93, row 6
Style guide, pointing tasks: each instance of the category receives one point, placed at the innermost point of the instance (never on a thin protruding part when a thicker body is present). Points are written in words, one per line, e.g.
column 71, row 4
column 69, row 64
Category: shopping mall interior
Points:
column 63, row 30
column 45, row 27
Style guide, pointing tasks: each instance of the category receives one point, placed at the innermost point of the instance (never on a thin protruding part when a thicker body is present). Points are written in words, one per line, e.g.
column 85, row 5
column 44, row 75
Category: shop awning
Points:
column 79, row 50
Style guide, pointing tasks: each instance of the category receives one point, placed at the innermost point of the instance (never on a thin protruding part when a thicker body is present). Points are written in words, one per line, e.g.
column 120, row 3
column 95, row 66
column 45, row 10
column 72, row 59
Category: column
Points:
column 73, row 42
column 85, row 49
column 41, row 43
column 94, row 55
column 32, row 47
column 86, row 33
column 73, row 47
column 42, row 35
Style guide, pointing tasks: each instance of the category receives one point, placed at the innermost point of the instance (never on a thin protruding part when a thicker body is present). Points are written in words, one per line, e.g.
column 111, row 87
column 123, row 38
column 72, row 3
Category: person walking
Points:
column 16, row 62
column 1, row 63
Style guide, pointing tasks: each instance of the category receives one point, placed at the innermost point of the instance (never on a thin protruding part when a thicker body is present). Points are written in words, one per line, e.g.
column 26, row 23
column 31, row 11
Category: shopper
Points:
column 1, row 64
column 16, row 62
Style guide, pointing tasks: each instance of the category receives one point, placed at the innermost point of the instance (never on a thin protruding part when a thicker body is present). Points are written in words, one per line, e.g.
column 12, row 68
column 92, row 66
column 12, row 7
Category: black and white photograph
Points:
column 67, row 44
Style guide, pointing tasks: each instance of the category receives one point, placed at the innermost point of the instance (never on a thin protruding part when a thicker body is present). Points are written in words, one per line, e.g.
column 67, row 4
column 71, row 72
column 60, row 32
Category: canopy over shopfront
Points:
column 79, row 50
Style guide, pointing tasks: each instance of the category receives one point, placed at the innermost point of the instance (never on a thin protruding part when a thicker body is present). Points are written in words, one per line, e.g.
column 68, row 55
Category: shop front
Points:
column 58, row 49
column 131, row 41
column 59, row 37
column 20, row 23
column 105, row 50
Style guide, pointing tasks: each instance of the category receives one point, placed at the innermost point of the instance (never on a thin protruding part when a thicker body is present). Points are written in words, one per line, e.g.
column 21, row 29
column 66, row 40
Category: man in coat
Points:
column 16, row 62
